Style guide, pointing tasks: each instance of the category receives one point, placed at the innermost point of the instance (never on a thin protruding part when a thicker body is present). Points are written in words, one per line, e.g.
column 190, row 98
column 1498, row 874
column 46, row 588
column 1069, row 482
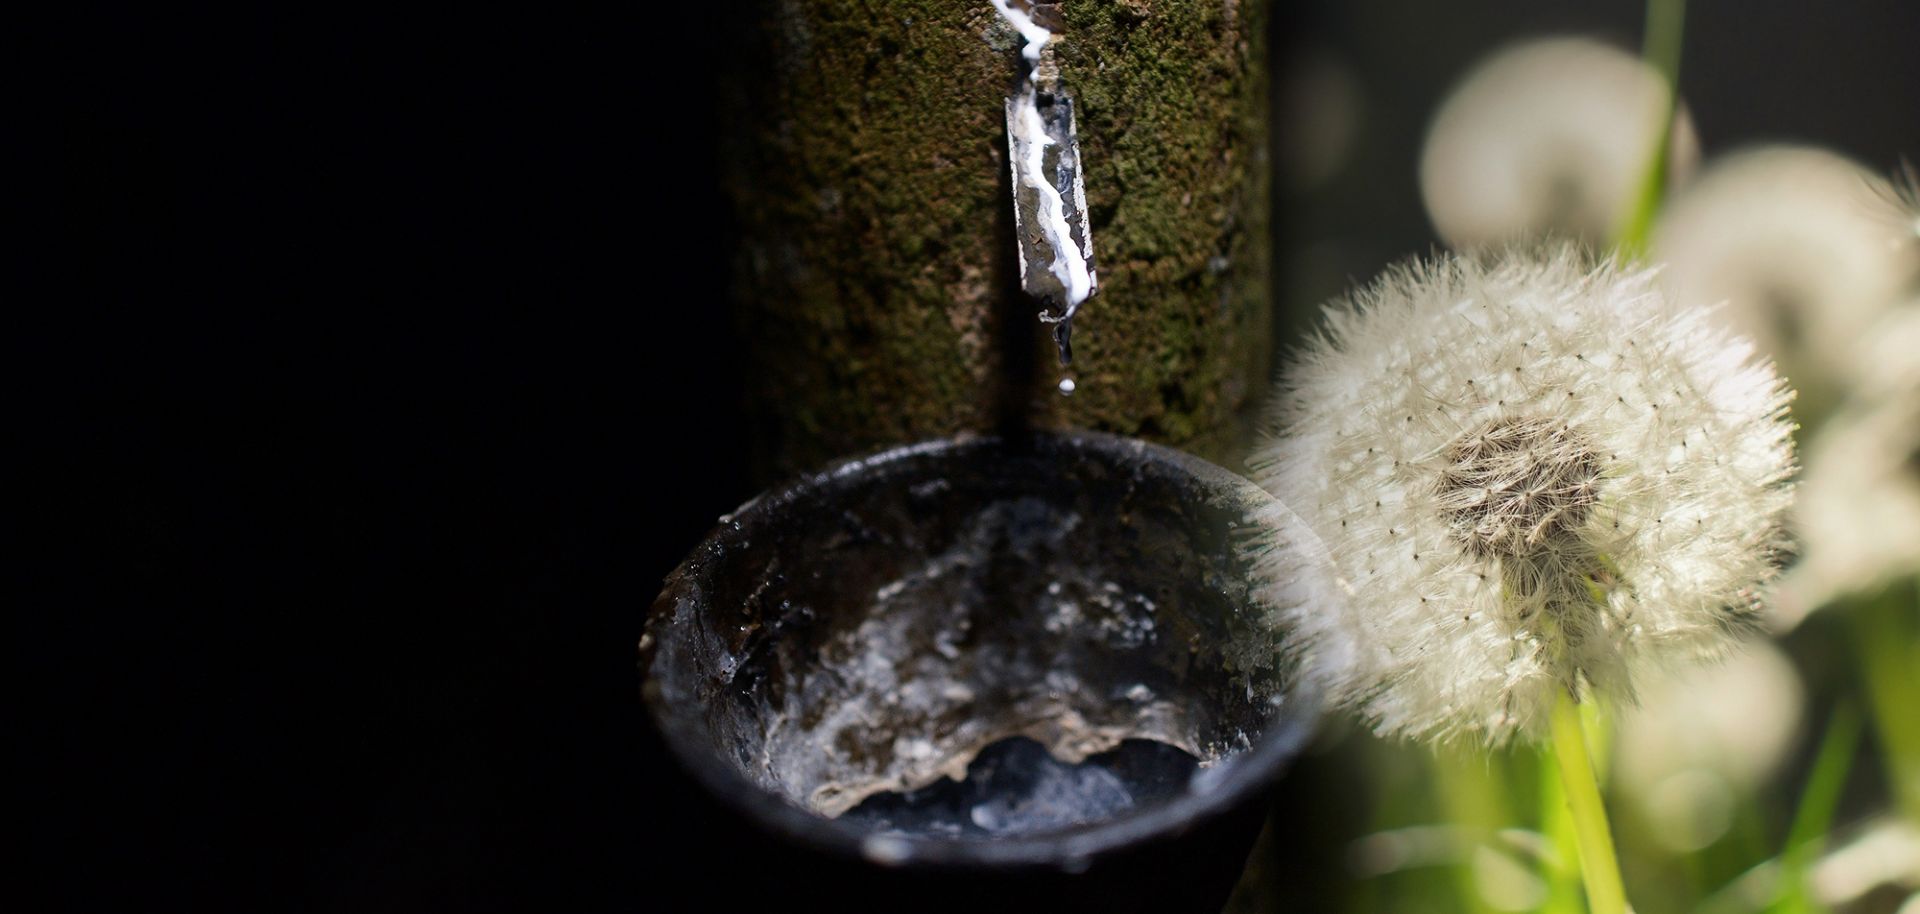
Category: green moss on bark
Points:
column 867, row 161
column 1172, row 104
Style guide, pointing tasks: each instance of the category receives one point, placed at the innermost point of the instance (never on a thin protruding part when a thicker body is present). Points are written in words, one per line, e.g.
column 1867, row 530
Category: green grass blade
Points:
column 1814, row 818
column 1666, row 24
column 1887, row 629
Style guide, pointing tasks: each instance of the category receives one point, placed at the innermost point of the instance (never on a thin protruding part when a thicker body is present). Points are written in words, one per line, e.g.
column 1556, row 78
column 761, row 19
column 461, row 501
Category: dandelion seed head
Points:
column 1736, row 719
column 1804, row 248
column 1548, row 136
column 1904, row 192
column 1858, row 510
column 1705, row 736
column 1886, row 366
column 1521, row 472
column 1517, row 485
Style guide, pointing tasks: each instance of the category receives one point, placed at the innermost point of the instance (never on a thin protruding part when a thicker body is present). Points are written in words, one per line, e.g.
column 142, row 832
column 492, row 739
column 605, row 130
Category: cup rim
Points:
column 1236, row 777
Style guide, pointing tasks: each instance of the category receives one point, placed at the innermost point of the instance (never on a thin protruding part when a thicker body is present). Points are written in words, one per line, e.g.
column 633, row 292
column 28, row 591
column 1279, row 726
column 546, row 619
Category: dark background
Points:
column 394, row 374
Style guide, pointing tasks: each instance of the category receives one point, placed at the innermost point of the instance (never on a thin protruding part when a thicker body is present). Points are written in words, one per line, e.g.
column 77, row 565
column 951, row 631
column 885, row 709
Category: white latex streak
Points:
column 1069, row 263
column 1036, row 35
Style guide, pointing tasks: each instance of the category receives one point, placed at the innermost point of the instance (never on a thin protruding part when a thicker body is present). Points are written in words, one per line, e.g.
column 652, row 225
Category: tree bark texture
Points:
column 866, row 155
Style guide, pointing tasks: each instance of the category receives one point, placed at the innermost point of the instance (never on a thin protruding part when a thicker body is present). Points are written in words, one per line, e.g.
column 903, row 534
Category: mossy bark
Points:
column 866, row 157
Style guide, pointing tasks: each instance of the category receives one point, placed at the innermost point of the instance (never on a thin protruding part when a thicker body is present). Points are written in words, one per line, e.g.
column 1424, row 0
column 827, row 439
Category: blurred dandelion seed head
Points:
column 1801, row 245
column 1524, row 472
column 1887, row 364
column 1904, row 193
column 1858, row 515
column 1548, row 138
column 1705, row 736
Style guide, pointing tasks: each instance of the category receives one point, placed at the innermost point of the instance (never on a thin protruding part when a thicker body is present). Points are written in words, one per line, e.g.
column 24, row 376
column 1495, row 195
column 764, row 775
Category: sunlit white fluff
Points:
column 1804, row 246
column 1551, row 136
column 1520, row 473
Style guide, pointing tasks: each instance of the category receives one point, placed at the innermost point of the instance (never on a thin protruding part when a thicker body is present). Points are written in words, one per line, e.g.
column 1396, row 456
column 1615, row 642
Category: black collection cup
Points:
column 982, row 674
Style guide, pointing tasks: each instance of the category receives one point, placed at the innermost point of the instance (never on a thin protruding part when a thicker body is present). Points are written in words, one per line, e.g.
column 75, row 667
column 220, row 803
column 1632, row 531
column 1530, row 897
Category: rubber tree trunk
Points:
column 866, row 154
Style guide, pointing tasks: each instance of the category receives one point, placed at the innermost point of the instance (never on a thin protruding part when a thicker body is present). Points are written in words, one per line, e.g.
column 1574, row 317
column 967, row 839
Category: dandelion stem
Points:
column 1600, row 870
column 1562, row 871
